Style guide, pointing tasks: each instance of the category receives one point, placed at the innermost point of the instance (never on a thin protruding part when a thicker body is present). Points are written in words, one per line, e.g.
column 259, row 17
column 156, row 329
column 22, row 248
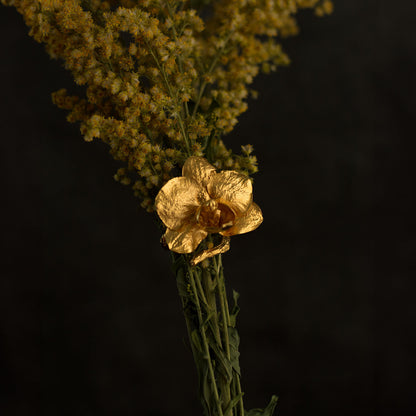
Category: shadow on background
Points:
column 90, row 319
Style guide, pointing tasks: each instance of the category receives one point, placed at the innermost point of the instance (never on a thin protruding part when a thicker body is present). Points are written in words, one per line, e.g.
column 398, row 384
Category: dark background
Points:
column 90, row 318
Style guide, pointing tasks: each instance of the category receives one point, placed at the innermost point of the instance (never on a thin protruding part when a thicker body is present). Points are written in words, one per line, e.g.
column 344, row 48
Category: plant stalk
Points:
column 207, row 316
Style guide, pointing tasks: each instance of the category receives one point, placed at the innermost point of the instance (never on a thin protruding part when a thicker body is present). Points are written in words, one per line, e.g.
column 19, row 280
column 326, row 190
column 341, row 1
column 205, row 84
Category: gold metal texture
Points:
column 203, row 201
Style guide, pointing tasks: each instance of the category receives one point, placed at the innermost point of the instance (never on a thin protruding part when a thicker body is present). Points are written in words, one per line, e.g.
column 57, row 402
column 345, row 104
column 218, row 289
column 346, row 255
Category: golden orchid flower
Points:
column 202, row 201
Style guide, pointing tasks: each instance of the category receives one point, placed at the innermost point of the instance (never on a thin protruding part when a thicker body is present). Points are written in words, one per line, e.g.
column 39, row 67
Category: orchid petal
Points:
column 246, row 223
column 178, row 200
column 232, row 188
column 198, row 169
column 185, row 241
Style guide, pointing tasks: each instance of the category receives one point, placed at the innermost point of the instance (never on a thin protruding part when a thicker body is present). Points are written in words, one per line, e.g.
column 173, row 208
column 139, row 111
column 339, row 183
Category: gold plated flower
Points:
column 202, row 201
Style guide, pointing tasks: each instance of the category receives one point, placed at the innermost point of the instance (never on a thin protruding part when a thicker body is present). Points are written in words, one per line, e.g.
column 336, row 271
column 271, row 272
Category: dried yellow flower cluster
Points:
column 165, row 79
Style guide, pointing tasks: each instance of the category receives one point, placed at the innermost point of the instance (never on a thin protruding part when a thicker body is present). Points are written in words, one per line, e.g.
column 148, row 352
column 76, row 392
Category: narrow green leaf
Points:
column 214, row 280
column 236, row 295
column 178, row 263
column 254, row 412
column 196, row 341
column 224, row 364
column 234, row 353
column 181, row 283
column 205, row 390
column 235, row 310
column 233, row 403
column 268, row 411
column 208, row 319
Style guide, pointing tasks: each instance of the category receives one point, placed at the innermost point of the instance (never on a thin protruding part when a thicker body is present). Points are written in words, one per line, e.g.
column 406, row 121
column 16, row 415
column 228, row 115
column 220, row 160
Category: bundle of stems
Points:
column 213, row 336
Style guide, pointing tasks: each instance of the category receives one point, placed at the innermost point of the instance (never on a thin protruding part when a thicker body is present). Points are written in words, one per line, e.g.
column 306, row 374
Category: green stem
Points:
column 204, row 300
column 169, row 88
column 240, row 403
column 212, row 304
column 227, row 323
column 211, row 68
column 184, row 305
column 205, row 342
column 224, row 311
column 175, row 36
column 224, row 381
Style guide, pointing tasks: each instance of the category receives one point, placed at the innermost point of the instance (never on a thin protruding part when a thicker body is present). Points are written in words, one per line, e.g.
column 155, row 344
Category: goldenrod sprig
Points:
column 160, row 80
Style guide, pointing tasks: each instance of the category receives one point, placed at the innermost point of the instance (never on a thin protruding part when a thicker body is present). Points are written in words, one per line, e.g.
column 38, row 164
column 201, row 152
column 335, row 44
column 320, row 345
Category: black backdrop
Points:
column 90, row 319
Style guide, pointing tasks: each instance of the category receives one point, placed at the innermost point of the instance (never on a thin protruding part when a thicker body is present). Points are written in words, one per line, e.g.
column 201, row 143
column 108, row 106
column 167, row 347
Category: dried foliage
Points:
column 165, row 79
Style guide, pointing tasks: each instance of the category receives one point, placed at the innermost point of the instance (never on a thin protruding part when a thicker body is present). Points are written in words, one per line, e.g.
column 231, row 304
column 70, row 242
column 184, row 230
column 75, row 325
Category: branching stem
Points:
column 211, row 68
column 172, row 95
